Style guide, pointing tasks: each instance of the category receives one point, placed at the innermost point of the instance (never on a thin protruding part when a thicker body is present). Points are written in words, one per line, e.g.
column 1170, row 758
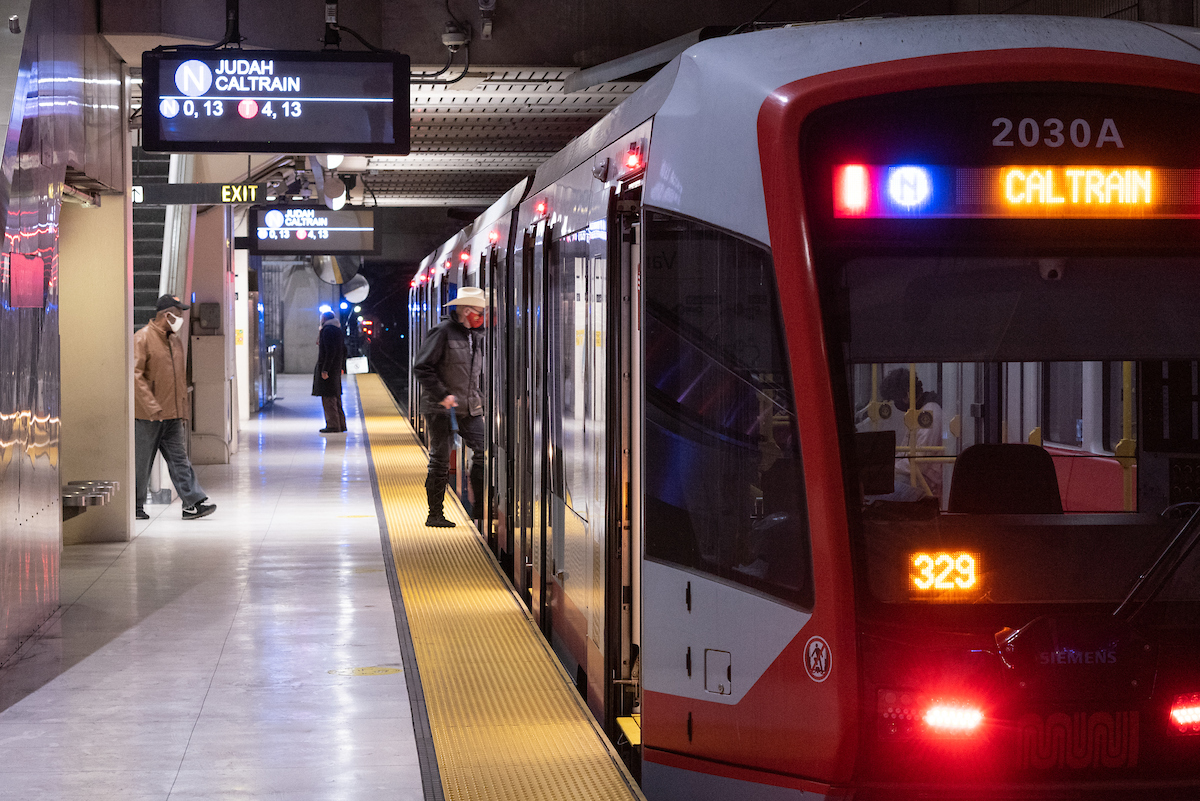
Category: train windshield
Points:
column 1020, row 430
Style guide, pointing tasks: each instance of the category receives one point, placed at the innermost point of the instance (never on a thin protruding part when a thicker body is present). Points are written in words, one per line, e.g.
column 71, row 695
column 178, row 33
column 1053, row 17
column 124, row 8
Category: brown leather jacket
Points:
column 159, row 374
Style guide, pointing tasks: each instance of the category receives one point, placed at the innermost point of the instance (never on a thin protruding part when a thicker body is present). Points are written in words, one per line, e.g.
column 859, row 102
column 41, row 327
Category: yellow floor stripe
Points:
column 506, row 722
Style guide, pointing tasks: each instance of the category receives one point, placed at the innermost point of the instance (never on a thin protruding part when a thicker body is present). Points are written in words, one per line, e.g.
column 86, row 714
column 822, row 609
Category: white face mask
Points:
column 175, row 322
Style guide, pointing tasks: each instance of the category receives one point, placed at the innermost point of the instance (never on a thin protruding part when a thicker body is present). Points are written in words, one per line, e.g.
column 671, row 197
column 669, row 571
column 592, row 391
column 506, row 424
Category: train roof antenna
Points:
column 753, row 20
column 846, row 14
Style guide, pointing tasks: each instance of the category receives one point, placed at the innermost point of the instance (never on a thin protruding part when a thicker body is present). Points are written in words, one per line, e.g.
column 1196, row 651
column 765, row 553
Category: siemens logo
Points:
column 1069, row 656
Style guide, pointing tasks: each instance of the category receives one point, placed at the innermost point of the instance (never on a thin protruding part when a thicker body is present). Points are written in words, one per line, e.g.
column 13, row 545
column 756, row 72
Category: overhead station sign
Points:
column 305, row 230
column 223, row 101
column 198, row 194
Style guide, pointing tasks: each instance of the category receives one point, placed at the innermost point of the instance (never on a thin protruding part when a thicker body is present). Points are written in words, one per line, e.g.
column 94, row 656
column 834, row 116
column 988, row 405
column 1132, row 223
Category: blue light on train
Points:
column 325, row 307
column 909, row 187
column 345, row 305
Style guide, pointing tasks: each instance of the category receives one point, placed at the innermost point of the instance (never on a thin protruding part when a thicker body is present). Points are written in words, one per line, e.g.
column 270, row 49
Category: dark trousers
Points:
column 472, row 432
column 165, row 436
column 335, row 417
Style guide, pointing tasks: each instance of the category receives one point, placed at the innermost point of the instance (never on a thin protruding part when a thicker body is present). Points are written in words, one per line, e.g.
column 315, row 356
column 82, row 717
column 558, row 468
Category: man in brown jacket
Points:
column 160, row 406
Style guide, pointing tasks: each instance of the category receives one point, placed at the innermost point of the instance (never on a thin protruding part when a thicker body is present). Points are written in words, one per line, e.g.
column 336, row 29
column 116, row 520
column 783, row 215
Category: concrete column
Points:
column 95, row 269
column 214, row 378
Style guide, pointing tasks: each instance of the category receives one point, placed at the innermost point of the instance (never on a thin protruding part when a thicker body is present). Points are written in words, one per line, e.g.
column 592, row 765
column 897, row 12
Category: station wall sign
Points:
column 275, row 101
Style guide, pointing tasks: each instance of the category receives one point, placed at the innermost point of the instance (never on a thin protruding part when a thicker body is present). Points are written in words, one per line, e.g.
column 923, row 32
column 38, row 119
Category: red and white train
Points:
column 844, row 388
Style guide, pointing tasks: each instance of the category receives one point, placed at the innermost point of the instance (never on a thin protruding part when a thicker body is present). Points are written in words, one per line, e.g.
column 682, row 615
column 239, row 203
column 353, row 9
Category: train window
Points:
column 999, row 452
column 723, row 485
column 1064, row 403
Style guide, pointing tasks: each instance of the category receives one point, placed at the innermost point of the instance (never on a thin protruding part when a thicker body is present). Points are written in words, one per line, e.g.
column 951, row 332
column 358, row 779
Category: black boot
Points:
column 436, row 517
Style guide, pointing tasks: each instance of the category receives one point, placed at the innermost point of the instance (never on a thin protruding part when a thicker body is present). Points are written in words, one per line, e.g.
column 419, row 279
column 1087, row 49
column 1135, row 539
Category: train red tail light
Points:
column 953, row 717
column 903, row 714
column 1185, row 713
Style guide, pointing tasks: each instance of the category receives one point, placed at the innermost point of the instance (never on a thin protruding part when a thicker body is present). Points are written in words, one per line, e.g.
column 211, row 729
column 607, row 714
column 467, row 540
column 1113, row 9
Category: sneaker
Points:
column 140, row 514
column 199, row 510
column 438, row 521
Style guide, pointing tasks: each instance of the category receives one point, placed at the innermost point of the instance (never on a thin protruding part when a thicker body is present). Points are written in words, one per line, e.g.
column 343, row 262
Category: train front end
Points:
column 989, row 265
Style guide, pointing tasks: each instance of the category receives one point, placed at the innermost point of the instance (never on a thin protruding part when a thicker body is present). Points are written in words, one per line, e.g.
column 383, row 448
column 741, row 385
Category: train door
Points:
column 575, row 460
column 539, row 462
column 519, row 339
column 489, row 271
column 620, row 380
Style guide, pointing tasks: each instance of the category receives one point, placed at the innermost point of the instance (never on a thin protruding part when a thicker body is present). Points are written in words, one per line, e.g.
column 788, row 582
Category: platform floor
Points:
column 206, row 659
column 310, row 640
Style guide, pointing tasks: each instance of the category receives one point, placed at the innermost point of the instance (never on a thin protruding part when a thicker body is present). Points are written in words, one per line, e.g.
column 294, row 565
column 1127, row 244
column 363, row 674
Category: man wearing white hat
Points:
column 449, row 367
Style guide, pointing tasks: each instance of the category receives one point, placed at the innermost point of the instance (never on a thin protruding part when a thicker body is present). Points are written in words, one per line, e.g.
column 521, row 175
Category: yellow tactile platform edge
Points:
column 506, row 722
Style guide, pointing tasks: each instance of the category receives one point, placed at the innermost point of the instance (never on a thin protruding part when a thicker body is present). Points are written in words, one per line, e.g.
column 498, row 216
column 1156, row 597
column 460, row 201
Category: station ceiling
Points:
column 474, row 139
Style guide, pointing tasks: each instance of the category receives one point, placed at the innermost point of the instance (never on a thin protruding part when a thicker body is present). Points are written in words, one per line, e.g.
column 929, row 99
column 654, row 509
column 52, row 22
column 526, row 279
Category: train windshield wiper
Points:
column 1169, row 559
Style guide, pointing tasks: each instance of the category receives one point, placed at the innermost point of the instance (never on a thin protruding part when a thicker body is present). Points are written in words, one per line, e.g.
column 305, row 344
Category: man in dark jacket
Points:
column 327, row 375
column 449, row 367
column 160, row 407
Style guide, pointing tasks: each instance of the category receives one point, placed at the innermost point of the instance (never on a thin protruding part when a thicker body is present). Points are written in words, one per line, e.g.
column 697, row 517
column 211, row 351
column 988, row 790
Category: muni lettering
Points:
column 1078, row 741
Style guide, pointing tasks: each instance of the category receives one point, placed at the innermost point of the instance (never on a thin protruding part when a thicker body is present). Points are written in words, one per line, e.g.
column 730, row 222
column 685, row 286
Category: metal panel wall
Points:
column 66, row 112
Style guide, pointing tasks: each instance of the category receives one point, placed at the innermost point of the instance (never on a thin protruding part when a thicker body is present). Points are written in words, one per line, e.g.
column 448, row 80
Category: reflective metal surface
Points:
column 66, row 118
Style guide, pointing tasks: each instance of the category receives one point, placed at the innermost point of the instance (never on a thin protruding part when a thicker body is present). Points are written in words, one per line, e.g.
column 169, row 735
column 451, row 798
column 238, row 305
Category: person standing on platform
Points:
column 450, row 369
column 160, row 408
column 327, row 375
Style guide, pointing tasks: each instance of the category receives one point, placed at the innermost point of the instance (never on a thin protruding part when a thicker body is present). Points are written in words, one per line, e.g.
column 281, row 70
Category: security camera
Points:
column 454, row 38
column 1051, row 269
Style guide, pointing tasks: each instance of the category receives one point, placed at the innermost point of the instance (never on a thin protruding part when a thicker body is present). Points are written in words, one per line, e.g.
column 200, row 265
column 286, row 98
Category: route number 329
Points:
column 943, row 571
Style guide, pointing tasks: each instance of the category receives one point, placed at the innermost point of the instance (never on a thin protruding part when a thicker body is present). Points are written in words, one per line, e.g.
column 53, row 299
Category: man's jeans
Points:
column 471, row 430
column 167, row 436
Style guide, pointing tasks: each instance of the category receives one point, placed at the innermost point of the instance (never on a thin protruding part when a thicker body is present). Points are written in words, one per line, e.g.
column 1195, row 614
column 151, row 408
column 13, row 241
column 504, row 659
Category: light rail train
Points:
column 844, row 392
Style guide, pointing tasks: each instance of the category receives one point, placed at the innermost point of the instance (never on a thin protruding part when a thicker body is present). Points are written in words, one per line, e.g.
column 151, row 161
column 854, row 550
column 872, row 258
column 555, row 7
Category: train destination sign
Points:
column 264, row 101
column 1020, row 191
column 312, row 230
column 1095, row 153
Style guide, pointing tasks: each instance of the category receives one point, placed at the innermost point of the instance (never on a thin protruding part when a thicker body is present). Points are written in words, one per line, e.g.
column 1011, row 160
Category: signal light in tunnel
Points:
column 1185, row 713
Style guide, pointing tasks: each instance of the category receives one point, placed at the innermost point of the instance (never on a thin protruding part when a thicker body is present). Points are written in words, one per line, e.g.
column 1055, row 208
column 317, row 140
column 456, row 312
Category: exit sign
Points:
column 198, row 194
